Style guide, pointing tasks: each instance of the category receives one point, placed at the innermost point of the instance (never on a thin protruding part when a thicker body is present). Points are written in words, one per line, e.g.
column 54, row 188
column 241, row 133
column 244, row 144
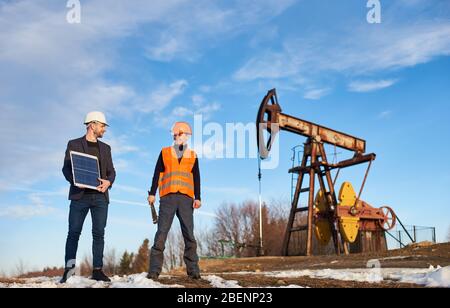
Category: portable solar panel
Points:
column 85, row 170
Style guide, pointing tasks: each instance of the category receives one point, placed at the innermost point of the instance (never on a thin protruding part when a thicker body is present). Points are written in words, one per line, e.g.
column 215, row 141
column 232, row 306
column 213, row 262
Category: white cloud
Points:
column 121, row 144
column 371, row 85
column 198, row 21
column 265, row 36
column 206, row 214
column 162, row 96
column 37, row 208
column 37, row 131
column 198, row 106
column 51, row 76
column 198, row 100
column 131, row 190
column 316, row 94
column 270, row 65
column 26, row 211
column 181, row 112
column 166, row 51
column 385, row 114
column 53, row 72
column 64, row 68
column 63, row 191
column 351, row 52
column 208, row 110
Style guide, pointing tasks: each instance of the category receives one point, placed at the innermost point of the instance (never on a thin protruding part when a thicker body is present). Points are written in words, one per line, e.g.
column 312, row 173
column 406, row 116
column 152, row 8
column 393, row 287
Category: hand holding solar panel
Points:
column 104, row 185
column 85, row 170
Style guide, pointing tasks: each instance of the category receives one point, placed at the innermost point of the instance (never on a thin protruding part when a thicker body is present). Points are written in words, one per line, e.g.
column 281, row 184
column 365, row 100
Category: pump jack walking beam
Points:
column 270, row 113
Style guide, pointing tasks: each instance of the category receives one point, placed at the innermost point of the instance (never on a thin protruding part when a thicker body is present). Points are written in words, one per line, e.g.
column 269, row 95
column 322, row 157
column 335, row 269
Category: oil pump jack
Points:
column 354, row 225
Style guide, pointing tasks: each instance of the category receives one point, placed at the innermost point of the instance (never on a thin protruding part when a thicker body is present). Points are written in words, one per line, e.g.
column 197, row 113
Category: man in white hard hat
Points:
column 178, row 176
column 85, row 200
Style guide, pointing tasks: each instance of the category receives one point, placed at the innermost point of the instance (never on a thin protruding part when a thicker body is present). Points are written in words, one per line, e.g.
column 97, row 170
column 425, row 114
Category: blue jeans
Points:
column 79, row 209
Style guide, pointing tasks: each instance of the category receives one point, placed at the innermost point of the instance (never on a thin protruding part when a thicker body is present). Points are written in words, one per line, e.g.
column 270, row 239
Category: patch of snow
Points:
column 79, row 282
column 431, row 277
column 132, row 281
column 291, row 286
column 246, row 273
column 439, row 278
column 435, row 277
column 398, row 258
column 138, row 281
column 219, row 282
column 345, row 275
column 40, row 282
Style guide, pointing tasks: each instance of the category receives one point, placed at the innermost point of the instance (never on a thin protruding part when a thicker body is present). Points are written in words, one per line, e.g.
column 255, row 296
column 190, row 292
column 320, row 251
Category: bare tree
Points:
column 110, row 266
column 208, row 245
column 276, row 215
column 20, row 268
column 173, row 254
column 86, row 266
column 239, row 225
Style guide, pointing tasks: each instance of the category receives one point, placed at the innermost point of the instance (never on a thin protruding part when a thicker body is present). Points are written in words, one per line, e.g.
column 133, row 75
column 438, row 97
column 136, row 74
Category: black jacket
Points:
column 106, row 163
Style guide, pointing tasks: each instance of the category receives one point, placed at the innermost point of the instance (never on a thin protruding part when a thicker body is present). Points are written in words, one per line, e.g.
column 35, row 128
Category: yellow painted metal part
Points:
column 320, row 202
column 323, row 231
column 348, row 225
column 322, row 226
column 347, row 195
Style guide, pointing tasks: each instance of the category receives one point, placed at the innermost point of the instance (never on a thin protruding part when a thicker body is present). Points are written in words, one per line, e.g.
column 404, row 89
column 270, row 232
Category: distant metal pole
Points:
column 434, row 235
column 292, row 176
column 223, row 249
column 406, row 231
column 393, row 237
column 415, row 234
column 260, row 207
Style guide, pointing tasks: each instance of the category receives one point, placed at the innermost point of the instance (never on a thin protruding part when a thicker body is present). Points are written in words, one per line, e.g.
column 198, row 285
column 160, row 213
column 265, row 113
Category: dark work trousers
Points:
column 181, row 205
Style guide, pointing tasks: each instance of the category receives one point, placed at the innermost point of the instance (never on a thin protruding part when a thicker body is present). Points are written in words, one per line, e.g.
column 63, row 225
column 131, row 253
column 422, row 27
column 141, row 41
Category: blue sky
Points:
column 149, row 63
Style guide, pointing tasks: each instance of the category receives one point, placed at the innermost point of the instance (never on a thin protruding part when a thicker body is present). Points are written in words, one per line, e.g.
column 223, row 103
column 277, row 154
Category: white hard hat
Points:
column 95, row 116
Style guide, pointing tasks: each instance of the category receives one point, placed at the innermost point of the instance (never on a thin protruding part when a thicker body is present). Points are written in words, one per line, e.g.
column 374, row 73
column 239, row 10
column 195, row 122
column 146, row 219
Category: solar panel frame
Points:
column 86, row 178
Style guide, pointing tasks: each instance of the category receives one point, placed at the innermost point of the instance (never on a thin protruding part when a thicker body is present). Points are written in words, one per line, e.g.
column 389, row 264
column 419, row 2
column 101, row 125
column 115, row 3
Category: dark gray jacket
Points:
column 106, row 163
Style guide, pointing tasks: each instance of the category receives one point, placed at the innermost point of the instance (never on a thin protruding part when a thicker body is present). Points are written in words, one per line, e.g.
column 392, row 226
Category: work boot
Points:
column 97, row 274
column 153, row 276
column 68, row 272
column 195, row 276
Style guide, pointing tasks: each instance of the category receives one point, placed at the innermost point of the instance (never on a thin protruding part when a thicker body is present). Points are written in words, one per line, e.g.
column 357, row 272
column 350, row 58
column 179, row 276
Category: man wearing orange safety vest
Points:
column 177, row 176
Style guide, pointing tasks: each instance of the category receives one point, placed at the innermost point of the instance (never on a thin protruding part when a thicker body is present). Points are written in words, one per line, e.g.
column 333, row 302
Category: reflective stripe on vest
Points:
column 177, row 176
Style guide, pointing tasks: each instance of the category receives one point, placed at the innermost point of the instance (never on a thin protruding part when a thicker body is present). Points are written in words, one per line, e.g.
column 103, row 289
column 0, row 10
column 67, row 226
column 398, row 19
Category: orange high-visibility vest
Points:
column 177, row 176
